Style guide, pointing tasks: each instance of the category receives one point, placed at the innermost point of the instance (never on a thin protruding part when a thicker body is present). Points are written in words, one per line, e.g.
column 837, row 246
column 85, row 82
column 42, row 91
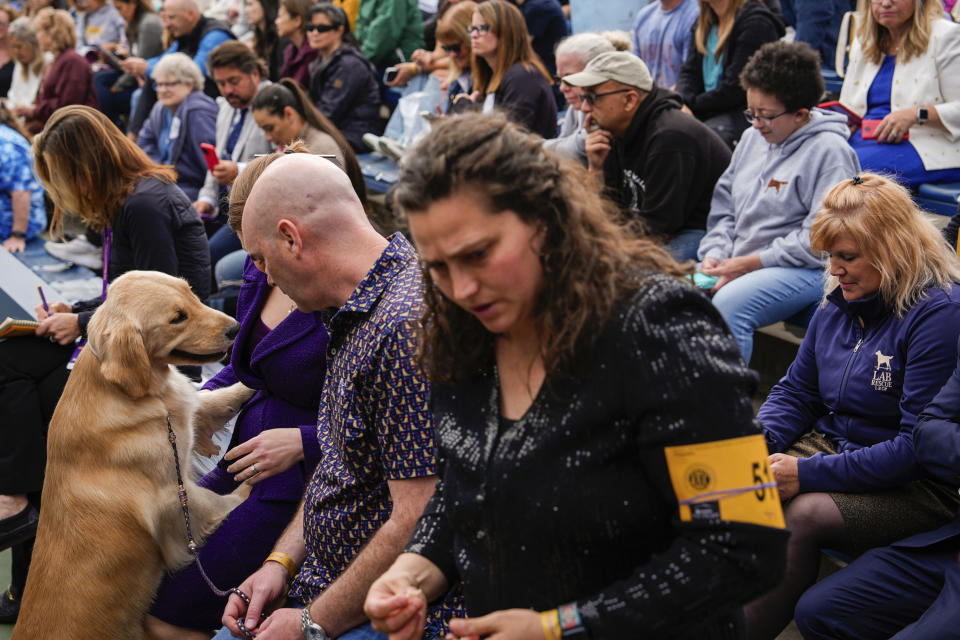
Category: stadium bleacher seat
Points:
column 939, row 197
column 832, row 81
column 379, row 172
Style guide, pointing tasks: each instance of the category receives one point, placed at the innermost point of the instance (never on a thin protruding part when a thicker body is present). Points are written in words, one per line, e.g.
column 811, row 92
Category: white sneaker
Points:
column 391, row 148
column 78, row 251
column 372, row 140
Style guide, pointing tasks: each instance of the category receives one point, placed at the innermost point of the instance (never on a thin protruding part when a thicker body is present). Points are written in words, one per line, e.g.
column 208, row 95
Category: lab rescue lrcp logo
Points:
column 883, row 373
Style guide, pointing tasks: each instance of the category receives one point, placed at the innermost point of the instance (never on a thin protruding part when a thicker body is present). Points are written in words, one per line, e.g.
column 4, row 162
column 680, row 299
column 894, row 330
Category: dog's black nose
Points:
column 233, row 330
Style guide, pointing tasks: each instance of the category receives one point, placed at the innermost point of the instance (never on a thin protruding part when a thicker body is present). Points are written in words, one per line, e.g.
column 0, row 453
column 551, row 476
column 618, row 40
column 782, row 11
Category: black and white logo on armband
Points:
column 637, row 188
column 882, row 373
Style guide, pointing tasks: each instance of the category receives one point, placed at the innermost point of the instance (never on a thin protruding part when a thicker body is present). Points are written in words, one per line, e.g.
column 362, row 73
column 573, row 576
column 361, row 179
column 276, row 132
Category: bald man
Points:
column 191, row 33
column 374, row 425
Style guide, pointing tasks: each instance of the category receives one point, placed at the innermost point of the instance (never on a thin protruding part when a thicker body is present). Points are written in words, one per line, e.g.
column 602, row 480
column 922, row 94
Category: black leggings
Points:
column 815, row 523
column 33, row 372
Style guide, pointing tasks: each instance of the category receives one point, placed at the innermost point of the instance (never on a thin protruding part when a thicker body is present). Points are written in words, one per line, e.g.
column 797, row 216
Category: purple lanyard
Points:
column 107, row 234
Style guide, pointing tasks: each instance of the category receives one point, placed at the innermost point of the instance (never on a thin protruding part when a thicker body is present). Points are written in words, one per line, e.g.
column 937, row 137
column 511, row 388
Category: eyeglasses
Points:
column 479, row 29
column 321, row 28
column 451, row 48
column 591, row 98
column 166, row 85
column 762, row 119
column 558, row 79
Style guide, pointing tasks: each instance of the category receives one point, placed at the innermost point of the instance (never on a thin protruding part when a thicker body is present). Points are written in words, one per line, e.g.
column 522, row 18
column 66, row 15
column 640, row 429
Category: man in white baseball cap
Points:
column 658, row 163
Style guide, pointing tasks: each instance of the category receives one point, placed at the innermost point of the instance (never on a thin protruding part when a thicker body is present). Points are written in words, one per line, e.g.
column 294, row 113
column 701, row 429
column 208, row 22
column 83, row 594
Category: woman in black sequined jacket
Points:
column 568, row 357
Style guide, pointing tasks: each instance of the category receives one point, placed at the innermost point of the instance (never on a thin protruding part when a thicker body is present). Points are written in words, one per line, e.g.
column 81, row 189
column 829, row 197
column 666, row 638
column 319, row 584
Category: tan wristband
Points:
column 550, row 621
column 283, row 560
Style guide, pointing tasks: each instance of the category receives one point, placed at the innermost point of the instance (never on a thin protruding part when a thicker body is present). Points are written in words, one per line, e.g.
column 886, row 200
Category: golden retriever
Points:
column 111, row 521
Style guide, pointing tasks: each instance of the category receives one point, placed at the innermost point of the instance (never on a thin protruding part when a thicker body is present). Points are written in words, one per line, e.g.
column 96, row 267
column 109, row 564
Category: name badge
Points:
column 175, row 128
column 725, row 480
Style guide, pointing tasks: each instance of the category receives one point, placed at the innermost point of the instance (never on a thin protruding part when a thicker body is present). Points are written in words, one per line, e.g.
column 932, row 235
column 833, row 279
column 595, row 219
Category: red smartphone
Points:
column 853, row 120
column 869, row 129
column 210, row 155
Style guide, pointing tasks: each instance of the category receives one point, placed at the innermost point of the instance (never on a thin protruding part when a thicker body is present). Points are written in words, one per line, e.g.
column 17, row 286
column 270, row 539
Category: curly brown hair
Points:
column 590, row 257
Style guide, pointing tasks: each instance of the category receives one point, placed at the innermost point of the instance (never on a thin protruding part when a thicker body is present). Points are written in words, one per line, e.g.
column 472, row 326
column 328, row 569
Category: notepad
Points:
column 12, row 327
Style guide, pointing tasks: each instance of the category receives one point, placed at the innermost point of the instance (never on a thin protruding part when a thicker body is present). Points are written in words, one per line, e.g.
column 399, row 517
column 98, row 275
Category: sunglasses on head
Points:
column 451, row 48
column 321, row 28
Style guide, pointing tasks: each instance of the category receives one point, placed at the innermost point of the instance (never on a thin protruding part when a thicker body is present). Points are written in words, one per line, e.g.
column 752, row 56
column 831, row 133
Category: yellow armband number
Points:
column 725, row 480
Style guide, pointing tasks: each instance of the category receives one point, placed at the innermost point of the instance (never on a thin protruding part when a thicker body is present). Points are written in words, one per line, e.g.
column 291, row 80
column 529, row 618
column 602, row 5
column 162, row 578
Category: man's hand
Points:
column 509, row 624
column 134, row 66
column 225, row 172
column 282, row 624
column 786, row 472
column 730, row 269
column 266, row 588
column 895, row 125
column 597, row 143
column 61, row 327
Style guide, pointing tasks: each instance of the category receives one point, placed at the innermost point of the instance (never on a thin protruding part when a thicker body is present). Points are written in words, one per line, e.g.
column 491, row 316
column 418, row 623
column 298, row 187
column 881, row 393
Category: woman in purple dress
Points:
column 281, row 353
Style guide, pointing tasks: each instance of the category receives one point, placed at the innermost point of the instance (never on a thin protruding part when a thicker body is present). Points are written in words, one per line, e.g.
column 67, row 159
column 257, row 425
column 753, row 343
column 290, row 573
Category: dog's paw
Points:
column 218, row 407
column 243, row 491
column 205, row 447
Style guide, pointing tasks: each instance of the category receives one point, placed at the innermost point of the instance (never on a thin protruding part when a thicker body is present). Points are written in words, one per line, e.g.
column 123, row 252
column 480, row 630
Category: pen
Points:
column 43, row 299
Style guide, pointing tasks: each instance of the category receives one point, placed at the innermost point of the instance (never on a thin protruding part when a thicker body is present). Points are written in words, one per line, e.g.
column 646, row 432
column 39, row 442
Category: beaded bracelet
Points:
column 571, row 625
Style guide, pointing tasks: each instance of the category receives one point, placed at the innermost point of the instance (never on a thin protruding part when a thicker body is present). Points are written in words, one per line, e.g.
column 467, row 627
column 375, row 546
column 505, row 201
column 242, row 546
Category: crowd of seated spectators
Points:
column 703, row 143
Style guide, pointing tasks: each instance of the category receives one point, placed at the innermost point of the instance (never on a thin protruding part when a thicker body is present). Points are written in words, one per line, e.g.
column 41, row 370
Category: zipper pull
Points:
column 856, row 347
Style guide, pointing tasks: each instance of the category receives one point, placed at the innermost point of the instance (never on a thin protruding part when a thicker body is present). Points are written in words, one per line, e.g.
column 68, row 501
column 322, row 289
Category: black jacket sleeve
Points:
column 524, row 94
column 936, row 438
column 752, row 29
column 667, row 195
column 339, row 89
column 711, row 567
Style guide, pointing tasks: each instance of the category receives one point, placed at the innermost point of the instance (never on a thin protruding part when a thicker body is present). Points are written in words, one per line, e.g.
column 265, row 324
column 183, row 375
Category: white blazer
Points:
column 930, row 79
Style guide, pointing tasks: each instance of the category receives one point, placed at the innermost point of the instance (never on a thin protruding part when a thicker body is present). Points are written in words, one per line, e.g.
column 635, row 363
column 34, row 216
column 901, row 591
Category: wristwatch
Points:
column 922, row 115
column 18, row 234
column 311, row 630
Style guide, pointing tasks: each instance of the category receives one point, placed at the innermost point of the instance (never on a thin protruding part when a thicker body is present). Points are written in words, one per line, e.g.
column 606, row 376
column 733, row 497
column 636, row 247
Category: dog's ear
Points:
column 123, row 357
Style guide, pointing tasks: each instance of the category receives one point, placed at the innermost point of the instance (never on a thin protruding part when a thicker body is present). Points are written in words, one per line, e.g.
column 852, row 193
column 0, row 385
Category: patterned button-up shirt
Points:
column 16, row 174
column 374, row 422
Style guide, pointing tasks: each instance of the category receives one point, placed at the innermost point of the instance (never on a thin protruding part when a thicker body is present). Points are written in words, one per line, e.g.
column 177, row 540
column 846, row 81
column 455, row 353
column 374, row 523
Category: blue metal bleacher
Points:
column 939, row 197
column 832, row 81
column 379, row 172
column 22, row 272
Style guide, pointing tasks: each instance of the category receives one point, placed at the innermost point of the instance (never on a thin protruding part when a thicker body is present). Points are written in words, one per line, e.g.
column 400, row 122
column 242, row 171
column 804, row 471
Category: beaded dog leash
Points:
column 191, row 543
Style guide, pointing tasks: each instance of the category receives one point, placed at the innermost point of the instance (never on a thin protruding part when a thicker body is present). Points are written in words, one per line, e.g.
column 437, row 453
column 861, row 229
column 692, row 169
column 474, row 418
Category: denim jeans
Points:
column 229, row 269
column 223, row 242
column 765, row 296
column 363, row 632
column 684, row 245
